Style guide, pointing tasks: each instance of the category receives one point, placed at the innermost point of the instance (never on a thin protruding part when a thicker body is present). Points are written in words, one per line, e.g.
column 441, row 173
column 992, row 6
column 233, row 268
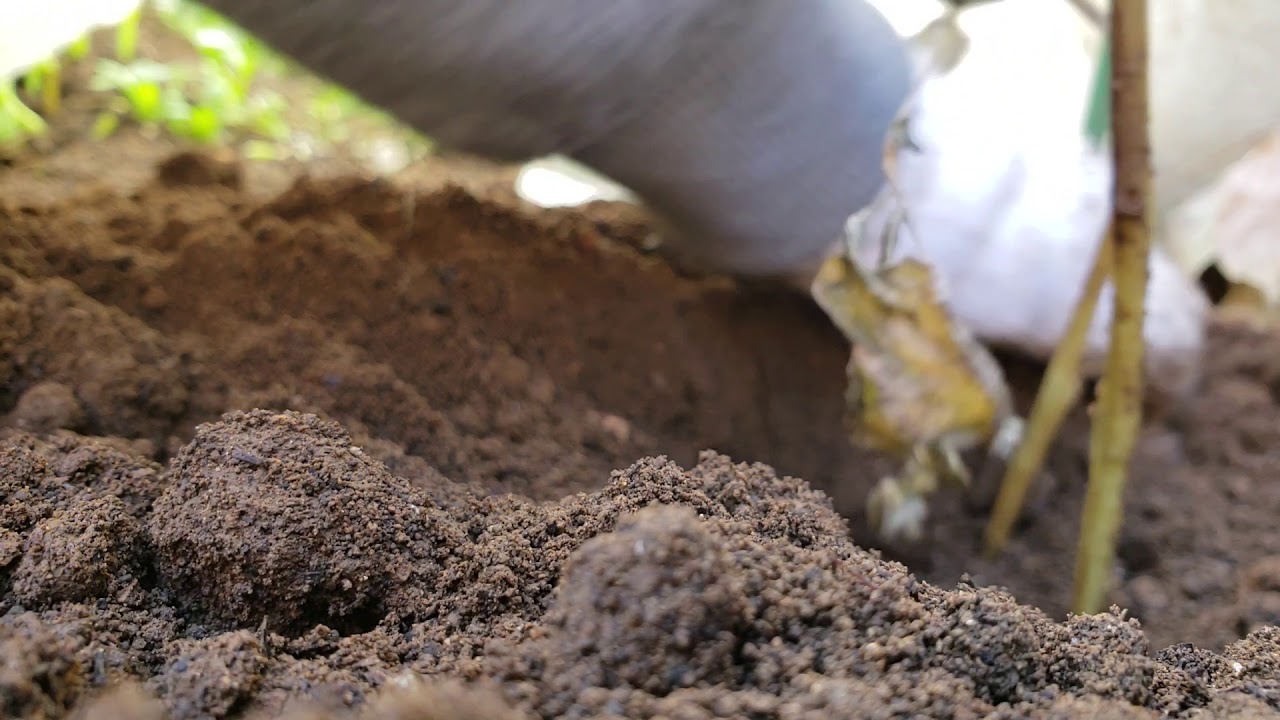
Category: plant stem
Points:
column 51, row 88
column 1061, row 385
column 127, row 36
column 17, row 121
column 1119, row 407
column 1058, row 393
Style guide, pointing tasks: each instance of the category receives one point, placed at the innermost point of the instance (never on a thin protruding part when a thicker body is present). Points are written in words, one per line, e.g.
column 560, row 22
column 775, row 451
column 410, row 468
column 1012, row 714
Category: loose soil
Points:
column 409, row 448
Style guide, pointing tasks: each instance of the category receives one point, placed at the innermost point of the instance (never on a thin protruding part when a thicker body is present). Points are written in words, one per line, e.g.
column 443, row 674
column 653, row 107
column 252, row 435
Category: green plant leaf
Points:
column 218, row 89
column 127, row 36
column 105, row 125
column 145, row 101
column 201, row 124
column 223, row 48
column 1098, row 118
column 17, row 121
column 33, row 81
column 80, row 48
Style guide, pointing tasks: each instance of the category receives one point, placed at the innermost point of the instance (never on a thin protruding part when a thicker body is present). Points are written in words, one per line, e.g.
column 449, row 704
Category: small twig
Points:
column 1058, row 393
column 264, row 637
column 1119, row 406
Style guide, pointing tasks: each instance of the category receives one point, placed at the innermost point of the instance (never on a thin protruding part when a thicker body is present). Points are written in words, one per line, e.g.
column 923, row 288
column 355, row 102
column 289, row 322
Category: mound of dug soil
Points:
column 279, row 563
column 357, row 450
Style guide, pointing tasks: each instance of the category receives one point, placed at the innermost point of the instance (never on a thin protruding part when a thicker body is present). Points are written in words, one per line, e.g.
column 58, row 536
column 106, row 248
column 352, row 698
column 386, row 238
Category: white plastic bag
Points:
column 1009, row 202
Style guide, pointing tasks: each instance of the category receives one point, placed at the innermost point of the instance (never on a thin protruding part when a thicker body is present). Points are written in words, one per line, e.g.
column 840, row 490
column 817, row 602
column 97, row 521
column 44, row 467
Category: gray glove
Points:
column 754, row 127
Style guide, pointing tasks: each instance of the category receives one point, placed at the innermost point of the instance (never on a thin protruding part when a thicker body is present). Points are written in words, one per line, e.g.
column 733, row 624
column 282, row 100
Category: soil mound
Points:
column 361, row 450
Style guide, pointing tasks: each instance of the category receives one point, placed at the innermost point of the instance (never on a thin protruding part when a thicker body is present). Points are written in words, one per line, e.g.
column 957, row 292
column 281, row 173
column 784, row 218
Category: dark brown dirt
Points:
column 410, row 449
column 443, row 482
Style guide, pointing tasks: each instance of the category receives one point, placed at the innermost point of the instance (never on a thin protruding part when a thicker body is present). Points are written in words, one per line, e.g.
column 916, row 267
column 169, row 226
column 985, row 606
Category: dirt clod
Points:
column 655, row 605
column 212, row 677
column 279, row 515
column 46, row 407
column 40, row 676
column 197, row 169
column 78, row 554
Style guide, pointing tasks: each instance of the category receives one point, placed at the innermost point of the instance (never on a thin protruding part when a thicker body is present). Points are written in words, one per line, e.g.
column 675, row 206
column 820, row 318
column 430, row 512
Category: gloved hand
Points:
column 754, row 128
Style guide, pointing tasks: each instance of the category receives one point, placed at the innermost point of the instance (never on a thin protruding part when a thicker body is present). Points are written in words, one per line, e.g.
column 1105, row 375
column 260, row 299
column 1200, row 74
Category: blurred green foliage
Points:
column 1097, row 125
column 220, row 94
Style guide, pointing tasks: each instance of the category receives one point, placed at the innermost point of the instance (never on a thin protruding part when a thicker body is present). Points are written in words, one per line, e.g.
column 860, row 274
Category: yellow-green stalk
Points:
column 1118, row 416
